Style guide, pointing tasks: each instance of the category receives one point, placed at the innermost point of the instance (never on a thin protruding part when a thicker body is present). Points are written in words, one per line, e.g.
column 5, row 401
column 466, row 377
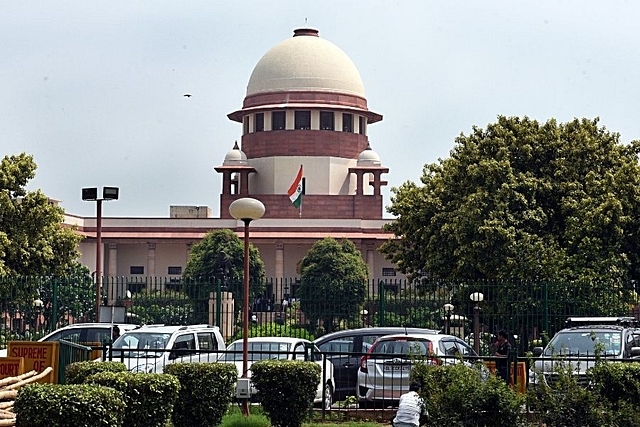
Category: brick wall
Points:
column 313, row 206
column 304, row 143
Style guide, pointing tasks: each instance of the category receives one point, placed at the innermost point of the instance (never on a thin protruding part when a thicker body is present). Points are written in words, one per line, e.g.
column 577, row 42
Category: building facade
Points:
column 305, row 106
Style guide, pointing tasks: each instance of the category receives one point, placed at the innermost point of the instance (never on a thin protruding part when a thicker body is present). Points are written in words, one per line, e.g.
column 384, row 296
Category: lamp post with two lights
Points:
column 91, row 194
column 246, row 210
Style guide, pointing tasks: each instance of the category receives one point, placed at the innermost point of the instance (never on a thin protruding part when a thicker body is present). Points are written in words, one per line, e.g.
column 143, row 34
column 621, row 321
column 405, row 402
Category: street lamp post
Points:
column 246, row 210
column 37, row 310
column 477, row 298
column 91, row 194
column 448, row 308
column 364, row 314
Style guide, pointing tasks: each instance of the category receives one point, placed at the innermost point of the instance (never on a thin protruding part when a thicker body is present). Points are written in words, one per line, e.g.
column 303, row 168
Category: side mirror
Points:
column 635, row 351
column 537, row 351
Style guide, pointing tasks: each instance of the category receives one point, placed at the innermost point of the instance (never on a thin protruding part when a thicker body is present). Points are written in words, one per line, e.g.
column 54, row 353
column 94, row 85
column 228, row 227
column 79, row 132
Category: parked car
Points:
column 91, row 334
column 150, row 348
column 345, row 349
column 282, row 348
column 612, row 338
column 384, row 371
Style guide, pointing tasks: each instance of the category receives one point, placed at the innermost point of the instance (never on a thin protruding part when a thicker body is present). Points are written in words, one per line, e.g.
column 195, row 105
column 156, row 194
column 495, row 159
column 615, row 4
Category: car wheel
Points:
column 328, row 397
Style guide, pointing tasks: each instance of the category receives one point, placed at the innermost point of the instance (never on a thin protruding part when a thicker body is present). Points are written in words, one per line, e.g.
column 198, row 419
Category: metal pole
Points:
column 245, row 314
column 447, row 323
column 98, row 258
column 476, row 328
column 219, row 305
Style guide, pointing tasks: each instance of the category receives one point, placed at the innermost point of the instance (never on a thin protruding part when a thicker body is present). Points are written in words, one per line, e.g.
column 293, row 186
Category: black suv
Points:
column 581, row 341
column 345, row 349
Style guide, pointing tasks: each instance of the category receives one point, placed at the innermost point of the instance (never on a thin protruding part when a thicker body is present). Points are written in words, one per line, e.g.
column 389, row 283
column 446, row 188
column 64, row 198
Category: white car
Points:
column 93, row 334
column 150, row 348
column 384, row 372
column 283, row 348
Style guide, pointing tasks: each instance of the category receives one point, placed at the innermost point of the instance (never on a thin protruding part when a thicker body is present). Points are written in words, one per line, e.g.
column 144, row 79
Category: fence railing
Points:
column 532, row 311
column 71, row 353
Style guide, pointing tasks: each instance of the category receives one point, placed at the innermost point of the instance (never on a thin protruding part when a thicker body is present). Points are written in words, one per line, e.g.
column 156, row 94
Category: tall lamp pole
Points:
column 91, row 194
column 477, row 298
column 246, row 210
column 448, row 308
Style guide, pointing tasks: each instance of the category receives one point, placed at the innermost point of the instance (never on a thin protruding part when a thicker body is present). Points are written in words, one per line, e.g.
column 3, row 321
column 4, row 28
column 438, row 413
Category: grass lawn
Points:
column 234, row 418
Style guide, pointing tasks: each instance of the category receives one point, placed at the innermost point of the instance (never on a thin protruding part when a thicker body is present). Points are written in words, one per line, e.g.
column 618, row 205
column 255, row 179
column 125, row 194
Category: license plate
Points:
column 393, row 368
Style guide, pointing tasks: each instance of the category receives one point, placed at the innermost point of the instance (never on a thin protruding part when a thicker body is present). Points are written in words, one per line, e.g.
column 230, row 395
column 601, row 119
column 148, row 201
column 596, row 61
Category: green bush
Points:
column 206, row 390
column 54, row 405
column 286, row 389
column 566, row 402
column 77, row 372
column 618, row 385
column 273, row 329
column 616, row 382
column 149, row 397
column 459, row 395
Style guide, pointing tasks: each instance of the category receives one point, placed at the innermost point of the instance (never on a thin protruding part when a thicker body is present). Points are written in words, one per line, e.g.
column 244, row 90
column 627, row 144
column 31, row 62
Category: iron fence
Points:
column 532, row 311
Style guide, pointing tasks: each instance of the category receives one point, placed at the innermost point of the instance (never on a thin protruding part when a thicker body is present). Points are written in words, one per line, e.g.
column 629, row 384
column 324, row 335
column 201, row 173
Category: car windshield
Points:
column 258, row 350
column 585, row 342
column 402, row 347
column 143, row 342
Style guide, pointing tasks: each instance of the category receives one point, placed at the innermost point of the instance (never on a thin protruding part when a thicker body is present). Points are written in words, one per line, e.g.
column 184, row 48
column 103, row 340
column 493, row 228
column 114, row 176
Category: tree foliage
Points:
column 220, row 255
column 523, row 200
column 333, row 281
column 32, row 238
column 74, row 296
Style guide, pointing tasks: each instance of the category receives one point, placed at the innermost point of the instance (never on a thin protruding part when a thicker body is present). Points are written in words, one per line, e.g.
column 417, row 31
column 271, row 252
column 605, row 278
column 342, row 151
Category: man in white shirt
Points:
column 411, row 412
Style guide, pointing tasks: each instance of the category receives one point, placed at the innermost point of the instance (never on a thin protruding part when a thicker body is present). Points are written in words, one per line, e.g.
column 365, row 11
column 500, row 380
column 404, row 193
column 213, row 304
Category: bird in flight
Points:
column 188, row 95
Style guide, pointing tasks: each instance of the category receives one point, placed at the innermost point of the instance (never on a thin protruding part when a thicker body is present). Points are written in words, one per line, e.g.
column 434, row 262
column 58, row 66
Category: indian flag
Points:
column 295, row 191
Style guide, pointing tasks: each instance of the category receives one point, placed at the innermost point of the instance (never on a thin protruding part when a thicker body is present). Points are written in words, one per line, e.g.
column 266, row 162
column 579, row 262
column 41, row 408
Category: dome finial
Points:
column 235, row 146
column 305, row 32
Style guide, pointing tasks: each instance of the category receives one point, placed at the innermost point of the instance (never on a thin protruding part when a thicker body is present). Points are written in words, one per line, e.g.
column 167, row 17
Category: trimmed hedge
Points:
column 206, row 391
column 286, row 389
column 77, row 372
column 467, row 396
column 54, row 405
column 149, row 397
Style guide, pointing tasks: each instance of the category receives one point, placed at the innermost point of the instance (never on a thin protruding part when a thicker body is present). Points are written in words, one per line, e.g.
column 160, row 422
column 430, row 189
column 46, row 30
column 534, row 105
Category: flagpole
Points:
column 300, row 208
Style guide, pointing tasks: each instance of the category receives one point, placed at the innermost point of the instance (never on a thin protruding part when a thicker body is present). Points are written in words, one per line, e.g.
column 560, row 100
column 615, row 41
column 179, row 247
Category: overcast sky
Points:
column 94, row 90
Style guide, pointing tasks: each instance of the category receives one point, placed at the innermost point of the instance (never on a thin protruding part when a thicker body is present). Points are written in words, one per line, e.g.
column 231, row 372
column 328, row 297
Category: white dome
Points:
column 369, row 158
column 235, row 157
column 305, row 62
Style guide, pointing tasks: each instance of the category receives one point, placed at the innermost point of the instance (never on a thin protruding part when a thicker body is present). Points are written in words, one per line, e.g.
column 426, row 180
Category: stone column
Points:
column 113, row 259
column 151, row 268
column 226, row 313
column 114, row 288
column 371, row 267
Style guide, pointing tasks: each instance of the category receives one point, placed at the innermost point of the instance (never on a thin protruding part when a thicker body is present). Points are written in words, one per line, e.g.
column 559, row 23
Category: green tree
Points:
column 220, row 256
column 169, row 308
column 523, row 200
column 333, row 282
column 33, row 241
column 74, row 296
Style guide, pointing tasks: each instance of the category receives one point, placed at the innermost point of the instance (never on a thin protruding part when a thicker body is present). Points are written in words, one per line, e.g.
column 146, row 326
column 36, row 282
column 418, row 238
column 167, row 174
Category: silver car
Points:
column 384, row 372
